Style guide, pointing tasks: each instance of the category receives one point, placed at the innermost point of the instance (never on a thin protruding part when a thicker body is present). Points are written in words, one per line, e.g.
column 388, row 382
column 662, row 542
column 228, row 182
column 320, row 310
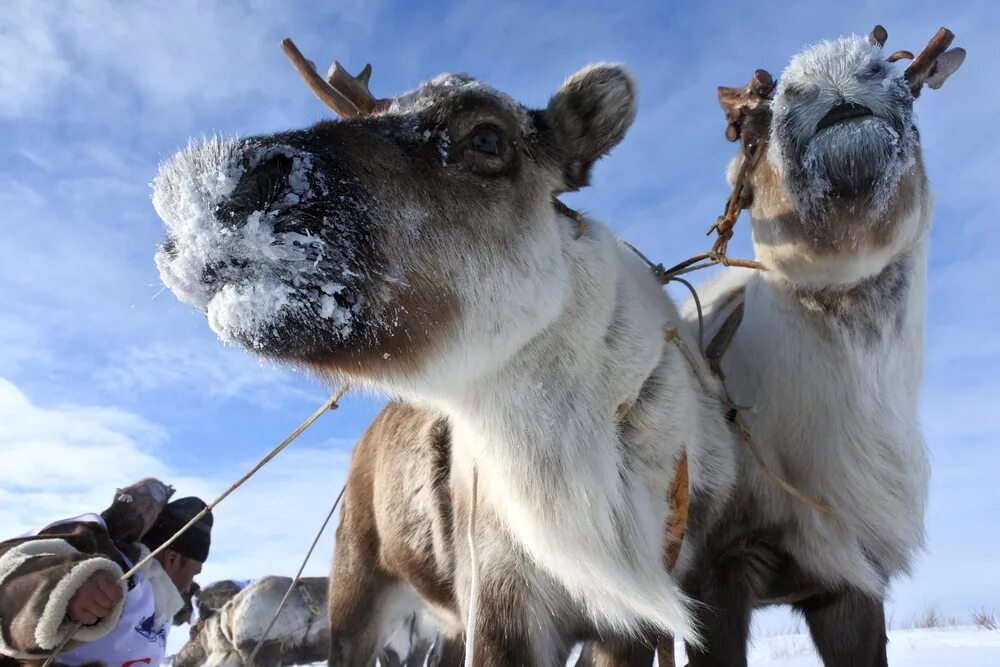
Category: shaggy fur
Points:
column 454, row 284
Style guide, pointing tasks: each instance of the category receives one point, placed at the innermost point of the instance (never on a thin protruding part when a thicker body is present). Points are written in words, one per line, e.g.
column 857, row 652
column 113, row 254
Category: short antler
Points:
column 348, row 96
column 935, row 63
column 355, row 88
column 932, row 66
column 736, row 102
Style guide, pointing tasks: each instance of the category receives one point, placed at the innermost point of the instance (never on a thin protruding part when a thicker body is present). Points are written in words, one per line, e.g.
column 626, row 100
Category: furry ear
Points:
column 590, row 114
column 945, row 66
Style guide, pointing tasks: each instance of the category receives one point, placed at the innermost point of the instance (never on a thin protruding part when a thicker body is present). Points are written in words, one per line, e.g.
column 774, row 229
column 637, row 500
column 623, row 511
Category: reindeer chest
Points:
column 833, row 412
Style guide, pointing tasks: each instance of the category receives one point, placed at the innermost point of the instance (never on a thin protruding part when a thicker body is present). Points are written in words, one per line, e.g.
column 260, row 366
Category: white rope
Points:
column 331, row 404
column 298, row 575
column 470, row 624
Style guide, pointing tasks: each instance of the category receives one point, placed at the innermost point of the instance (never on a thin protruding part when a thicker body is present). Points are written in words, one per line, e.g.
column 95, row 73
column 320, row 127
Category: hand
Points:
column 95, row 599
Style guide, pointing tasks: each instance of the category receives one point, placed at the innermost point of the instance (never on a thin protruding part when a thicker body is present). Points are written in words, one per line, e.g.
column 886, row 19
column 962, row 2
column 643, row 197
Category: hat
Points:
column 195, row 541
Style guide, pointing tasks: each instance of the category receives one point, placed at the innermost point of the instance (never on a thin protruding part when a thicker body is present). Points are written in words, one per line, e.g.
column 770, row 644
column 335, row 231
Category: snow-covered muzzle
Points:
column 369, row 242
column 253, row 244
column 842, row 127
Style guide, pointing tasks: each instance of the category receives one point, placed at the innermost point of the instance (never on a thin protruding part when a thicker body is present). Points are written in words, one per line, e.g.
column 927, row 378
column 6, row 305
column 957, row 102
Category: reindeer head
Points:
column 366, row 245
column 840, row 186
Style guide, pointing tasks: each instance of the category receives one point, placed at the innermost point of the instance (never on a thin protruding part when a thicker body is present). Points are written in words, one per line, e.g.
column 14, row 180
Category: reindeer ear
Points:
column 733, row 102
column 591, row 113
column 946, row 65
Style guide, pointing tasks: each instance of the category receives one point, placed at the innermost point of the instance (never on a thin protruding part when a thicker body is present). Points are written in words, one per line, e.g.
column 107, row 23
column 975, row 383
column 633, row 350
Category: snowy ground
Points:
column 966, row 645
column 969, row 646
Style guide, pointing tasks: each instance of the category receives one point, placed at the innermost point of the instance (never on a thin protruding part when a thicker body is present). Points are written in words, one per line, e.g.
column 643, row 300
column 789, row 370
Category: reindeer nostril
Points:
column 257, row 189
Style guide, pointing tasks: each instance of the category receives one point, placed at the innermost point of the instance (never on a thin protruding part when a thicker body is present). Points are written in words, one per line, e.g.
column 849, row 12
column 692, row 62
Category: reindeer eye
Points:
column 750, row 146
column 487, row 140
column 873, row 70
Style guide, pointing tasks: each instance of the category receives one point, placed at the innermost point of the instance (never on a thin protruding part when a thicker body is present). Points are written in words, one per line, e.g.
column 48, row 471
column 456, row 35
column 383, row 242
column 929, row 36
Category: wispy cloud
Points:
column 65, row 460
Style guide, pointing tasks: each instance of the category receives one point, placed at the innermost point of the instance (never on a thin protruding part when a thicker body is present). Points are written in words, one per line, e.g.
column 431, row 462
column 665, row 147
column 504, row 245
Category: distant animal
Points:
column 232, row 621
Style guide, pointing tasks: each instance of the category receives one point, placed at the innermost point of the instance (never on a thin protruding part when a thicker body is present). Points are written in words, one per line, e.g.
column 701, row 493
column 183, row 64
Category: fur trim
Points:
column 167, row 599
column 8, row 651
column 54, row 624
column 14, row 559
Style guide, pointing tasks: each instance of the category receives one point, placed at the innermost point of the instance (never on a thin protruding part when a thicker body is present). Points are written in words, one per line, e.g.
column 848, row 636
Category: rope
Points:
column 674, row 337
column 470, row 624
column 331, row 404
column 298, row 575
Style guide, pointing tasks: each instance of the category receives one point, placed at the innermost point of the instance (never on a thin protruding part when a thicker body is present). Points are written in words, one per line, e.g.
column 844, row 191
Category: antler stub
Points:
column 736, row 102
column 348, row 96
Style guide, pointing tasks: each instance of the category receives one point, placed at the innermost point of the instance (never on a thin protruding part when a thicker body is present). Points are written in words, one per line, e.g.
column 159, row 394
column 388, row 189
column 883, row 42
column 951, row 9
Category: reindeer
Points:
column 233, row 620
column 826, row 345
column 418, row 250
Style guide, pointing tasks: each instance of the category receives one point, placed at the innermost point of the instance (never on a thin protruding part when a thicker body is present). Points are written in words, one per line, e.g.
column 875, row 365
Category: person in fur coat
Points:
column 64, row 579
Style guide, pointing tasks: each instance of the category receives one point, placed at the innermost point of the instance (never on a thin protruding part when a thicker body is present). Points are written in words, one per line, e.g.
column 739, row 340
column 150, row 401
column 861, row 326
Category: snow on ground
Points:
column 969, row 646
column 966, row 645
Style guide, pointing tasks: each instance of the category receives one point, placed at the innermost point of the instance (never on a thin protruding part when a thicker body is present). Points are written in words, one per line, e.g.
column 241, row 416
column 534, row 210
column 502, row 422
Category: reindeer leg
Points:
column 738, row 570
column 616, row 653
column 418, row 653
column 389, row 658
column 447, row 652
column 848, row 628
column 513, row 623
column 357, row 584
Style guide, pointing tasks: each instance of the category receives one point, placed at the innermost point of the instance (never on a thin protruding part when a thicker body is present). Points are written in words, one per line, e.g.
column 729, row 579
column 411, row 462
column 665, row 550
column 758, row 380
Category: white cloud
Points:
column 65, row 460
column 62, row 461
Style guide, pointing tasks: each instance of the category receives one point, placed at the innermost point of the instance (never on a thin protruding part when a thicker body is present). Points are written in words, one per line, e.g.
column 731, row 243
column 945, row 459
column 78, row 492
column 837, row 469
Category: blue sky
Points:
column 105, row 377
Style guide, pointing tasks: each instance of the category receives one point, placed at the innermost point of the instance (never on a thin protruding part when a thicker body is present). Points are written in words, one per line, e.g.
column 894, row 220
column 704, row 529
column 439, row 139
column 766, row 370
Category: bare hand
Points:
column 95, row 599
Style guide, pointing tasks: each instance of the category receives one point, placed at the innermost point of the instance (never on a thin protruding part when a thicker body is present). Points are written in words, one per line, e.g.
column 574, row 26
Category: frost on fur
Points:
column 249, row 273
column 878, row 149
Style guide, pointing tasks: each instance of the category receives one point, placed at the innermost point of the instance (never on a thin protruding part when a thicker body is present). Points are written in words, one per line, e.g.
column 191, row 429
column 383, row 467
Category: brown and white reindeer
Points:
column 418, row 251
column 826, row 345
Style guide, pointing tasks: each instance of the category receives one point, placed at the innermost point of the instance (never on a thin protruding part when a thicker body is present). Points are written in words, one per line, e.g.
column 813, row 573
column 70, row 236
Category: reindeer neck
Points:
column 552, row 407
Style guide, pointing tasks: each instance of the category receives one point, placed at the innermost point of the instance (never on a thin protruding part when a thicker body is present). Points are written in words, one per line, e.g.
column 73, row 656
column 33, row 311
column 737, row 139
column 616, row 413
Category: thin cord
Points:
column 298, row 575
column 331, row 404
column 470, row 625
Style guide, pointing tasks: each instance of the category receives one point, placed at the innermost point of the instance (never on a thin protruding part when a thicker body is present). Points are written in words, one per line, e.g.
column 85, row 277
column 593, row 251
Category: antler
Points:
column 348, row 96
column 736, row 102
column 355, row 88
column 935, row 63
column 932, row 66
